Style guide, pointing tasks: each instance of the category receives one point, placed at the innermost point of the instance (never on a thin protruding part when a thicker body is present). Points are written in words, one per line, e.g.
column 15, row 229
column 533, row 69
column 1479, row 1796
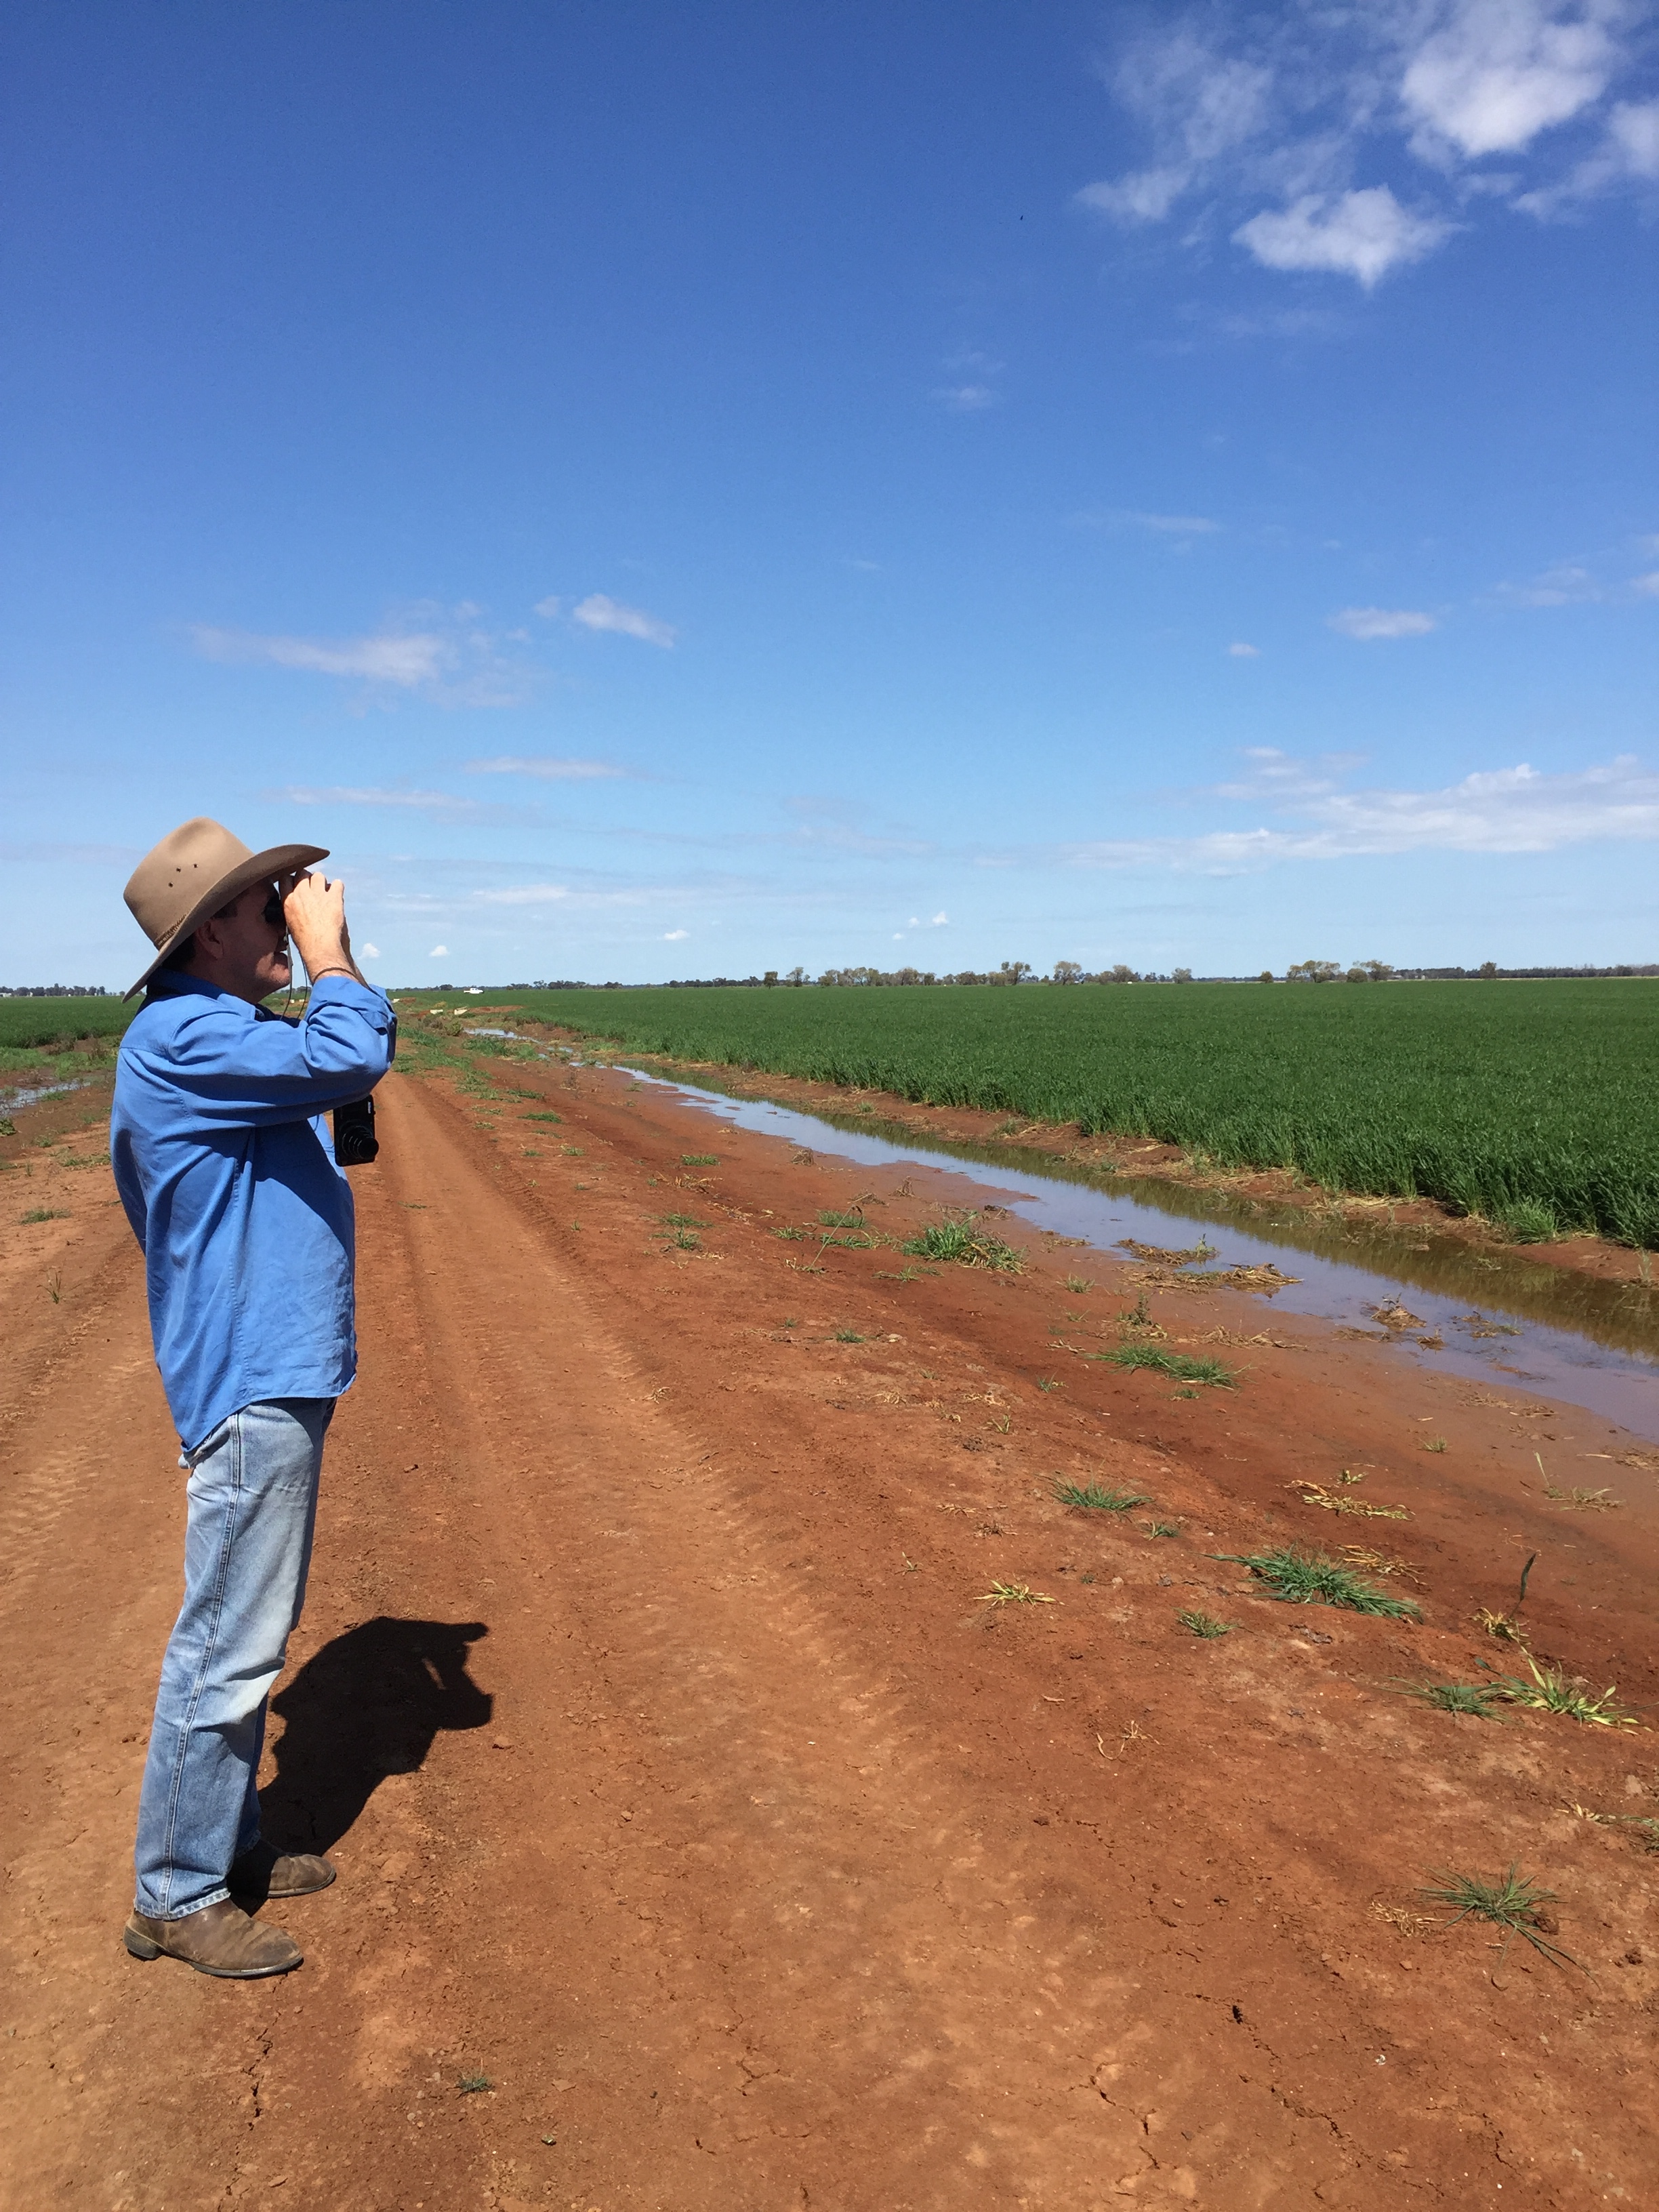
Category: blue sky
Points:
column 664, row 490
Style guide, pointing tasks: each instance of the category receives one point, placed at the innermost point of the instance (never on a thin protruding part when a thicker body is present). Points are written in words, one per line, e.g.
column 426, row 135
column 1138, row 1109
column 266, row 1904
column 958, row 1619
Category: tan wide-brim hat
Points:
column 195, row 872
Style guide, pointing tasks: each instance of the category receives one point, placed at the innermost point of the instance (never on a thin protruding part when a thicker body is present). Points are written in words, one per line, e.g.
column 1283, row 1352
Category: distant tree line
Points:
column 53, row 991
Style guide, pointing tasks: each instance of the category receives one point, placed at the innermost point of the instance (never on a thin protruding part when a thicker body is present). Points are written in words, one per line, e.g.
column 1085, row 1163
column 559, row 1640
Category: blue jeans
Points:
column 252, row 1507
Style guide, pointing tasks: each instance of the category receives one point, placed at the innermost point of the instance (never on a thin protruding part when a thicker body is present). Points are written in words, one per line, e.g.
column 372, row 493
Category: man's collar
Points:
column 175, row 983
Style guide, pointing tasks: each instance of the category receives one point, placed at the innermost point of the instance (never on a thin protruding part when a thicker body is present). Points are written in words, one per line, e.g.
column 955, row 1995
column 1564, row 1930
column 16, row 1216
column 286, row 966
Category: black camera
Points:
column 354, row 1141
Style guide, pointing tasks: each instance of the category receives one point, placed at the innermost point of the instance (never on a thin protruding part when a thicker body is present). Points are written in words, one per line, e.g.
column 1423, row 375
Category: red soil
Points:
column 683, row 1786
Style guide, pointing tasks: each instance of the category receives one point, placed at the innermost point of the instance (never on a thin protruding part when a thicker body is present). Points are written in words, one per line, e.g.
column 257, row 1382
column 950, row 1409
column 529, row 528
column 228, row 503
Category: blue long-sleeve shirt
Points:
column 225, row 1168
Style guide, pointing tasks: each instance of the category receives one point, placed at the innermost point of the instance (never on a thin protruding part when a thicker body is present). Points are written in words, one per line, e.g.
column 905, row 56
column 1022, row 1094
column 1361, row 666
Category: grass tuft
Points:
column 1079, row 1285
column 541, row 1117
column 1090, row 1498
column 1551, row 1691
column 1299, row 1578
column 682, row 1221
column 1013, row 1593
column 699, row 1159
column 1514, row 1903
column 1204, row 1624
column 1184, row 1366
column 850, row 1336
column 1475, row 1697
column 471, row 2084
column 45, row 1214
column 965, row 1244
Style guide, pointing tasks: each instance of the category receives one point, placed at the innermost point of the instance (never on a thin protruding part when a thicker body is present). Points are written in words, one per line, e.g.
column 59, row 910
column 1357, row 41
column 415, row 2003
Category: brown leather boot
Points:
column 266, row 1872
column 220, row 1940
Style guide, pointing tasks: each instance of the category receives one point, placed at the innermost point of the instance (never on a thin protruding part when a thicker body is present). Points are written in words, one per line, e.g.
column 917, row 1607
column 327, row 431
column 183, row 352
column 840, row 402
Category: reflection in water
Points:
column 1565, row 1335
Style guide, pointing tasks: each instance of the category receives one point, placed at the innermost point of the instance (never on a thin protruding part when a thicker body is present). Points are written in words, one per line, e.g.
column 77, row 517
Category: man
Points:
column 220, row 1156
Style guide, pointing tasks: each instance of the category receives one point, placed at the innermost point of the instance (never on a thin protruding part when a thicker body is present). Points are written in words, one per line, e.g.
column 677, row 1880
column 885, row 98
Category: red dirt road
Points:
column 681, row 1787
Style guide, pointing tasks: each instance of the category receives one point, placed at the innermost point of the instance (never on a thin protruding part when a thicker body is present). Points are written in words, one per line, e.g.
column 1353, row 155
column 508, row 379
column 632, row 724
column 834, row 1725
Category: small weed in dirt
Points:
column 850, row 1217
column 1181, row 1365
column 1013, row 1593
column 1163, row 1528
column 46, row 1214
column 1090, row 1498
column 1299, row 1577
column 682, row 1240
column 470, row 2084
column 571, row 1152
column 1552, row 1690
column 682, row 1221
column 699, row 1159
column 1584, row 1501
column 1475, row 1697
column 1315, row 1493
column 1079, row 1285
column 1514, row 1903
column 792, row 1321
column 850, row 1336
column 968, row 1246
column 1434, row 1443
column 541, row 1117
column 55, row 1288
column 1048, row 1382
column 1204, row 1624
column 791, row 1236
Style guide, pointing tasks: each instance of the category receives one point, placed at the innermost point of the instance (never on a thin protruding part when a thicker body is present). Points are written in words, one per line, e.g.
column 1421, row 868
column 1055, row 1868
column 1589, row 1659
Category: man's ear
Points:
column 210, row 940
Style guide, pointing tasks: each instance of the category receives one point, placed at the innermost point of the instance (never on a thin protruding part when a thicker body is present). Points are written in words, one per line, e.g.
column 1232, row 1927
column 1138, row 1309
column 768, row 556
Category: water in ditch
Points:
column 1497, row 1319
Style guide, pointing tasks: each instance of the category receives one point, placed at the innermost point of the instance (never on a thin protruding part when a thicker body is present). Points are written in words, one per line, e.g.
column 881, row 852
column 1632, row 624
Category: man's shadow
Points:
column 366, row 1705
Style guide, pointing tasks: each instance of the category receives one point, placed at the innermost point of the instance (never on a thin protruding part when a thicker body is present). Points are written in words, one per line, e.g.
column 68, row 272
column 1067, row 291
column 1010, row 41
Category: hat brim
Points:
column 259, row 867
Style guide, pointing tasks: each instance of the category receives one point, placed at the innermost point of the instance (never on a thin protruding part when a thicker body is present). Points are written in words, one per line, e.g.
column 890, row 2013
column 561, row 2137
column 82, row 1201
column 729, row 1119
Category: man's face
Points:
column 246, row 949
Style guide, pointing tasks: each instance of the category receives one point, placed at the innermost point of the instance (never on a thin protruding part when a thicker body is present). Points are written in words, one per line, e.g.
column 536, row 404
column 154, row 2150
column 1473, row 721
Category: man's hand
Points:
column 314, row 909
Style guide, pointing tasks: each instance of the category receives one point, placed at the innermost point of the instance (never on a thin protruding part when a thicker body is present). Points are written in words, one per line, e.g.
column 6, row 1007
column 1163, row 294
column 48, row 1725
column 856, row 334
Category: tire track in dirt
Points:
column 70, row 1375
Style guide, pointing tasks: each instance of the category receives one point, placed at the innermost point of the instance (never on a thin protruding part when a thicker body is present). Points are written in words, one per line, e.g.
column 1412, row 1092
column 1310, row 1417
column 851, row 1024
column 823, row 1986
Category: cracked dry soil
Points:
column 685, row 1791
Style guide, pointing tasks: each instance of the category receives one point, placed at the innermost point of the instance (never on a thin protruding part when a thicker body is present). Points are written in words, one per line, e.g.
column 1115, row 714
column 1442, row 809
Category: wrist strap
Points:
column 337, row 970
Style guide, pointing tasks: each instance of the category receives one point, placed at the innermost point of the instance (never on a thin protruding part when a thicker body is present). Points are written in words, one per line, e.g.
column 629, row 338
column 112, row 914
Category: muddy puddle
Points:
column 1497, row 1321
column 13, row 1101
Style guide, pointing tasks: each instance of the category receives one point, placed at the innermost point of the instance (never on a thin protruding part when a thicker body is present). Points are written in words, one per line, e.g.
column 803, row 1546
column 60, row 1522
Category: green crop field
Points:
column 1533, row 1104
column 60, row 1021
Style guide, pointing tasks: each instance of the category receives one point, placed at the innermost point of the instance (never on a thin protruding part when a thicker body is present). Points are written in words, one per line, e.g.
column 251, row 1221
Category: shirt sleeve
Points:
column 238, row 1071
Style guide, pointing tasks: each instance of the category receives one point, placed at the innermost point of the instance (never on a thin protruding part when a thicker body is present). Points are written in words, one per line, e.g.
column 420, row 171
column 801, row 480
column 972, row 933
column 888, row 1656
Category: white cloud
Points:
column 940, row 920
column 1368, row 623
column 675, row 936
column 410, row 660
column 545, row 766
column 442, row 654
column 419, row 802
column 524, row 895
column 1648, row 586
column 1174, row 526
column 1501, row 71
column 1240, row 651
column 966, row 398
column 1144, row 196
column 547, row 608
column 1514, row 810
column 370, row 951
column 1563, row 585
column 597, row 611
column 1634, row 130
column 1297, row 106
column 1360, row 234
column 439, row 952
